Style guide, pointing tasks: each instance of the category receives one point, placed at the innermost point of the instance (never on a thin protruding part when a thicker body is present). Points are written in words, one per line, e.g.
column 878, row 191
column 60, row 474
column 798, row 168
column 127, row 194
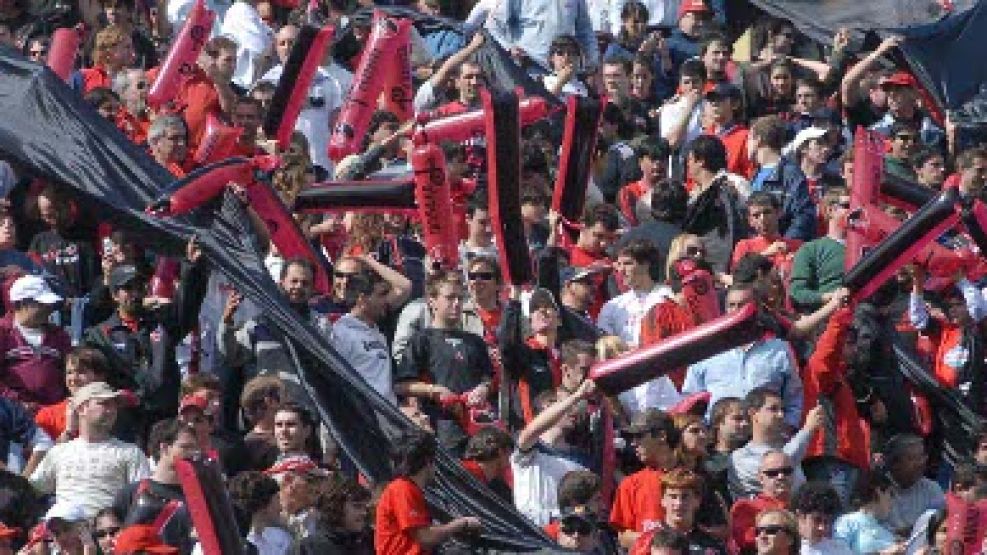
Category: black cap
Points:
column 122, row 275
column 541, row 298
column 724, row 90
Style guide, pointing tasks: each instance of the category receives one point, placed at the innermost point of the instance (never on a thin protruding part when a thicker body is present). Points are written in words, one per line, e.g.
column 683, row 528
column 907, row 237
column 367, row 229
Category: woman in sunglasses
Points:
column 777, row 533
column 106, row 526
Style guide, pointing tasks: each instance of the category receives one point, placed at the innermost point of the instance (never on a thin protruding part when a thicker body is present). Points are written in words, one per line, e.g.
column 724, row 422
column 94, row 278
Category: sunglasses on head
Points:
column 770, row 529
column 777, row 472
column 481, row 276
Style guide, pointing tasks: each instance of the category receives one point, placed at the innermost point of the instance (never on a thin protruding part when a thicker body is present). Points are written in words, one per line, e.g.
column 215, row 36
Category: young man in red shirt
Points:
column 723, row 102
column 637, row 502
column 404, row 525
column 762, row 214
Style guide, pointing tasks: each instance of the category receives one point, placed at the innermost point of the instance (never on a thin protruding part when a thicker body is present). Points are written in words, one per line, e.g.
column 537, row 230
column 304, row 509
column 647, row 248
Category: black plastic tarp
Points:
column 49, row 130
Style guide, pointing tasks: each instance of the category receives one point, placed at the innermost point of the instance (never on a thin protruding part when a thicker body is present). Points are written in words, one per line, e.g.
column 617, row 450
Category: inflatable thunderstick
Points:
column 183, row 56
column 357, row 196
column 582, row 123
column 209, row 505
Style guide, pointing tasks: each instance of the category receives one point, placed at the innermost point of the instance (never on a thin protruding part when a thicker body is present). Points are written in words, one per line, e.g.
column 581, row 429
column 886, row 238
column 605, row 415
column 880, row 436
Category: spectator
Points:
column 929, row 167
column 259, row 402
column 668, row 204
column 862, row 529
column 731, row 429
column 83, row 366
column 903, row 138
column 762, row 216
column 579, row 494
column 143, row 501
column 168, row 139
column 816, row 506
column 630, row 21
column 724, row 102
column 768, row 432
column 479, row 234
column 356, row 336
column 781, row 178
column 443, row 362
column 344, row 510
column 777, row 533
column 971, row 167
column 903, row 106
column 564, row 58
column 635, row 198
column 488, row 459
column 681, row 494
column 34, row 349
column 620, row 165
column 299, row 479
column 113, row 52
column 107, row 525
column 140, row 343
column 403, row 524
column 532, row 360
column 817, row 270
column 913, row 493
column 22, row 443
column 89, row 470
column 256, row 496
column 776, row 475
column 766, row 363
column 812, row 148
column 638, row 507
column 681, row 116
column 294, row 432
column 694, row 17
column 622, row 315
column 527, row 28
column 60, row 250
column 132, row 86
column 544, row 452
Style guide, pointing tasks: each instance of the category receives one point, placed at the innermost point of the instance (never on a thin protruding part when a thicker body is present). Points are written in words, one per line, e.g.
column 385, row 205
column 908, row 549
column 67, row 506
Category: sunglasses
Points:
column 99, row 534
column 481, row 276
column 344, row 275
column 771, row 529
column 695, row 251
column 906, row 138
column 576, row 526
column 777, row 472
column 843, row 205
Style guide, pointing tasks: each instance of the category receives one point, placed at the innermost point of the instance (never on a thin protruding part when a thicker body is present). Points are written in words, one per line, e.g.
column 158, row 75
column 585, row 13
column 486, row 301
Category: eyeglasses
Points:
column 112, row 531
column 778, row 472
column 481, row 276
column 771, row 529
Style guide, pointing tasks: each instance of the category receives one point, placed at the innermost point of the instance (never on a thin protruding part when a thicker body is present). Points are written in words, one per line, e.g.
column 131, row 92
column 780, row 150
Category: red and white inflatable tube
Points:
column 503, row 134
column 291, row 93
column 183, row 56
column 399, row 93
column 368, row 83
column 467, row 125
column 63, row 51
column 435, row 206
column 218, row 141
column 631, row 369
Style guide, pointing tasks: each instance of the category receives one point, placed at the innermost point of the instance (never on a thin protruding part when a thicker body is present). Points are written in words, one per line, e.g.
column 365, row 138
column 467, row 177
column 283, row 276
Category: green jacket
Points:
column 817, row 269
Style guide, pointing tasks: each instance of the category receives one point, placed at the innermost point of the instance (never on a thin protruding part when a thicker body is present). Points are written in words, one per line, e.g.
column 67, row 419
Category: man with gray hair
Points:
column 132, row 86
column 168, row 139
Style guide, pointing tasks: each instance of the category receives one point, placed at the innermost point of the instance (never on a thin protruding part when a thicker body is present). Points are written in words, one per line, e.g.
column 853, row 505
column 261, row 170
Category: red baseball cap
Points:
column 693, row 6
column 898, row 79
column 141, row 538
column 194, row 402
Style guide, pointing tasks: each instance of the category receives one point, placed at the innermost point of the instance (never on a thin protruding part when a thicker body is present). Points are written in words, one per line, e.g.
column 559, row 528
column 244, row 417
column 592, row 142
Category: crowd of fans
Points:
column 724, row 147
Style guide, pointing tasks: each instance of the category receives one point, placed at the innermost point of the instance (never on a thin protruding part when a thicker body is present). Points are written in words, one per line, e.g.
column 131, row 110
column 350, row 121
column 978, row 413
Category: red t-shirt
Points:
column 735, row 140
column 400, row 511
column 637, row 503
column 579, row 258
column 759, row 243
column 94, row 78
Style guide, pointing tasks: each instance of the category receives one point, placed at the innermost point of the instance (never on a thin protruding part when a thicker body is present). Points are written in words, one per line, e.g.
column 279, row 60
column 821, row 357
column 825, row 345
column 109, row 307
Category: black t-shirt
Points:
column 142, row 502
column 456, row 359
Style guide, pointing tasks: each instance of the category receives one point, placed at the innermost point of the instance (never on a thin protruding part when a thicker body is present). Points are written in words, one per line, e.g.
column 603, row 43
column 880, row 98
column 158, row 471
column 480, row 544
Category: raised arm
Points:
column 850, row 86
column 400, row 285
column 551, row 415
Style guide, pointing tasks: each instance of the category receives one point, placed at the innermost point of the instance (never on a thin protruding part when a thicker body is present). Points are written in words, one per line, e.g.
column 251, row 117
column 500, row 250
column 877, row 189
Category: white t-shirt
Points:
column 271, row 541
column 365, row 348
column 89, row 474
column 623, row 314
column 573, row 87
column 536, row 482
column 828, row 546
column 253, row 38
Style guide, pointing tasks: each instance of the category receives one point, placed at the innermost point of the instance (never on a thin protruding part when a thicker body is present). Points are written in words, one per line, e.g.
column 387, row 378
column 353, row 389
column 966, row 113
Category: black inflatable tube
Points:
column 905, row 191
column 579, row 139
column 209, row 506
column 636, row 367
column 503, row 129
column 287, row 83
column 886, row 257
column 356, row 194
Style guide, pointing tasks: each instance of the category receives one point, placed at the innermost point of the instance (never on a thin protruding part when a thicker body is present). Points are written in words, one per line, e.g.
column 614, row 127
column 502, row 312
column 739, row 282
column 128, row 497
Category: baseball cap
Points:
column 898, row 79
column 33, row 288
column 541, row 298
column 572, row 273
column 693, row 6
column 296, row 465
column 724, row 90
column 807, row 134
column 646, row 421
column 95, row 390
column 193, row 402
column 122, row 275
column 69, row 512
column 141, row 538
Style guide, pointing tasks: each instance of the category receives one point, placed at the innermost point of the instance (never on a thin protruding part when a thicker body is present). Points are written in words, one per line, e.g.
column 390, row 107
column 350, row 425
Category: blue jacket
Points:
column 798, row 211
column 532, row 25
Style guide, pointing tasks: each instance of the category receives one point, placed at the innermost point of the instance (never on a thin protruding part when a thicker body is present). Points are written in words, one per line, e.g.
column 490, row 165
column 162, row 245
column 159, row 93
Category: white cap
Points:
column 68, row 512
column 34, row 288
column 804, row 135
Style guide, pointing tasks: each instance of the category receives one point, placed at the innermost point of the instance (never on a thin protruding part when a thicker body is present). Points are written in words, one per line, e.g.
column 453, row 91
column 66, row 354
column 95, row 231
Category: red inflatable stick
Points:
column 503, row 134
column 63, row 50
column 903, row 245
column 398, row 90
column 698, row 290
column 284, row 230
column 699, row 343
column 293, row 86
column 368, row 83
column 467, row 125
column 435, row 205
column 218, row 141
column 966, row 525
column 578, row 143
column 209, row 506
column 206, row 183
column 343, row 196
column 183, row 56
column 165, row 274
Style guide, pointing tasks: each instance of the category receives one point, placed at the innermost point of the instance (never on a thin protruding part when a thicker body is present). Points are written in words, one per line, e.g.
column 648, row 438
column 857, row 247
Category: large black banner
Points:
column 49, row 130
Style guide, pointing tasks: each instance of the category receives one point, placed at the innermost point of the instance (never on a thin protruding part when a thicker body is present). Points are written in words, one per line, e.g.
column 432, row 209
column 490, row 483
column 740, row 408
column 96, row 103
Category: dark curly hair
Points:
column 817, row 497
column 334, row 494
column 252, row 490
